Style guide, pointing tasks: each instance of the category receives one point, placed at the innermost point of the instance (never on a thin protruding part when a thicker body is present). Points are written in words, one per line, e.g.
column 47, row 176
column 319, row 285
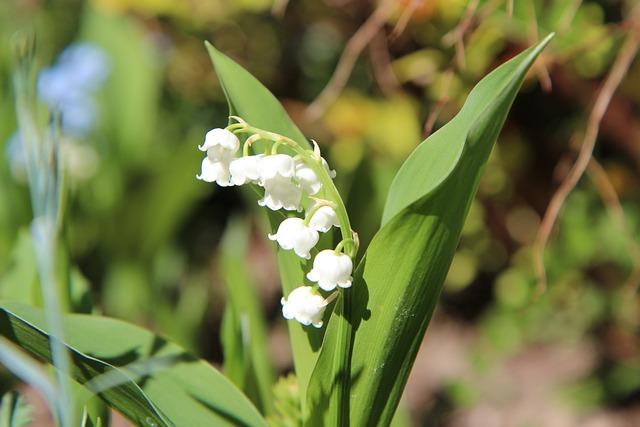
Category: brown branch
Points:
column 540, row 68
column 381, row 64
column 456, row 36
column 347, row 61
column 279, row 7
column 620, row 124
column 613, row 80
column 459, row 32
column 611, row 201
column 405, row 17
column 440, row 104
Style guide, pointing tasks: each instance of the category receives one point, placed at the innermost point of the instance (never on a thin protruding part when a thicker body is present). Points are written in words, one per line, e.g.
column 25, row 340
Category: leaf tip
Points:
column 210, row 48
column 547, row 39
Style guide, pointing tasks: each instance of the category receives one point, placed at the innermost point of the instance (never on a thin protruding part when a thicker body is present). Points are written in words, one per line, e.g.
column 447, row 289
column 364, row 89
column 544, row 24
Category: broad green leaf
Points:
column 370, row 344
column 249, row 99
column 402, row 417
column 480, row 118
column 244, row 336
column 150, row 380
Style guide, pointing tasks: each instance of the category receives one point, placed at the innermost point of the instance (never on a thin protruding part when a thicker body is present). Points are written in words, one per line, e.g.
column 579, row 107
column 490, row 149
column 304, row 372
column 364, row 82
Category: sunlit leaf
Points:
column 150, row 380
column 373, row 338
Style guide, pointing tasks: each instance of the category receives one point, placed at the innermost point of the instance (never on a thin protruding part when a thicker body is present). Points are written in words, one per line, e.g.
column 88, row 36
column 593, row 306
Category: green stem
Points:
column 274, row 147
column 341, row 211
column 342, row 243
column 328, row 185
column 248, row 143
column 319, row 204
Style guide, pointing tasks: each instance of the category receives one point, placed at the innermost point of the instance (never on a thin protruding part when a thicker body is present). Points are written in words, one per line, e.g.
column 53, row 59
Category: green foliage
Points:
column 360, row 374
column 243, row 332
column 172, row 388
column 398, row 282
column 141, row 234
column 249, row 99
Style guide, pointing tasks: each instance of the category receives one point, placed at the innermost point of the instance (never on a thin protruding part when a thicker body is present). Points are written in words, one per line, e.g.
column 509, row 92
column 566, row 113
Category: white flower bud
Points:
column 293, row 234
column 245, row 169
column 305, row 306
column 323, row 219
column 331, row 269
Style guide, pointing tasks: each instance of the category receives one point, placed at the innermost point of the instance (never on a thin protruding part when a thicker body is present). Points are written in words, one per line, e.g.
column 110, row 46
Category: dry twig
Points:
column 613, row 80
column 381, row 64
column 534, row 37
column 347, row 61
column 279, row 7
column 458, row 32
column 456, row 36
column 444, row 99
column 405, row 17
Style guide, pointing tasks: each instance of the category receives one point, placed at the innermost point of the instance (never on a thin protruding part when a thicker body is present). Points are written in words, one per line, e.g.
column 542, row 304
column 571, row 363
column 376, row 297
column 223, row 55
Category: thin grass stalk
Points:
column 42, row 152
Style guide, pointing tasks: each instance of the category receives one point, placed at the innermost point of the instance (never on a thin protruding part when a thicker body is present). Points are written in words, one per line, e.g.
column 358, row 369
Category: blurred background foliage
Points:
column 143, row 239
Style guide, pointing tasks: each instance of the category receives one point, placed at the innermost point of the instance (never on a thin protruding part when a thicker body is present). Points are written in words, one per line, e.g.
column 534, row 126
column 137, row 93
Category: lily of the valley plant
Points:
column 362, row 325
column 295, row 179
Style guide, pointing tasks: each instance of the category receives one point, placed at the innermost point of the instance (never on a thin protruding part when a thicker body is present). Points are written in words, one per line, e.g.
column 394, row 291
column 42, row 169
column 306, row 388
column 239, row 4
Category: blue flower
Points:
column 70, row 85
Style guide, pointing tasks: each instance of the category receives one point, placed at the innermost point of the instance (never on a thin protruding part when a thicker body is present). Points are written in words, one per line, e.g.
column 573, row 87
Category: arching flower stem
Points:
column 312, row 159
column 343, row 242
column 319, row 204
column 248, row 143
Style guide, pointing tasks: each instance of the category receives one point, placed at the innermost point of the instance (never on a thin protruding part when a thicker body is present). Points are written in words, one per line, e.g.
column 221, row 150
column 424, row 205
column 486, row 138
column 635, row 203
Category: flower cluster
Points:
column 294, row 179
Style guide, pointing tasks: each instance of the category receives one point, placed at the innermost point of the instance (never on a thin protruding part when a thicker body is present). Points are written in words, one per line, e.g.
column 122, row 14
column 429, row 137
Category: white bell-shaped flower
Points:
column 221, row 146
column 281, row 193
column 276, row 176
column 307, row 178
column 294, row 234
column 246, row 169
column 215, row 171
column 276, row 165
column 331, row 269
column 305, row 306
column 323, row 219
column 220, row 143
